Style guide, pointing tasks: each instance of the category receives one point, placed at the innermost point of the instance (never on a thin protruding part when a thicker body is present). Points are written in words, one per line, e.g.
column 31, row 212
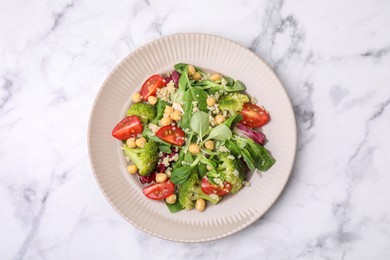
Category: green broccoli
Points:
column 233, row 102
column 233, row 171
column 144, row 158
column 191, row 190
column 144, row 111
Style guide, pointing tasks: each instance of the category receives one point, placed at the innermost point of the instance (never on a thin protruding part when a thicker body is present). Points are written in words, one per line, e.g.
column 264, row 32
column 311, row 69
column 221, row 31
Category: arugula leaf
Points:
column 181, row 174
column 175, row 207
column 160, row 107
column 200, row 123
column 233, row 120
column 221, row 133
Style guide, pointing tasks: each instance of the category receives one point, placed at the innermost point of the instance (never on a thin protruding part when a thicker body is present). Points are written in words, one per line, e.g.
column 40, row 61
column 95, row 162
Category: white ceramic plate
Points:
column 124, row 191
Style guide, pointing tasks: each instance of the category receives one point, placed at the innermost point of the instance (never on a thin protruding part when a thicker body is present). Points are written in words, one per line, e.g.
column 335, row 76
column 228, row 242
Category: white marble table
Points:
column 333, row 58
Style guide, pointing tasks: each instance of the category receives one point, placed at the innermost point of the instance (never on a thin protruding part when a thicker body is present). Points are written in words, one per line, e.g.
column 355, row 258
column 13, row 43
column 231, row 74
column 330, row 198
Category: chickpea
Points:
column 215, row 77
column 165, row 121
column 140, row 142
column 210, row 101
column 191, row 70
column 131, row 143
column 176, row 116
column 200, row 205
column 219, row 119
column 208, row 167
column 132, row 169
column 194, row 148
column 152, row 100
column 136, row 98
column 171, row 199
column 209, row 145
column 168, row 111
column 197, row 76
column 161, row 177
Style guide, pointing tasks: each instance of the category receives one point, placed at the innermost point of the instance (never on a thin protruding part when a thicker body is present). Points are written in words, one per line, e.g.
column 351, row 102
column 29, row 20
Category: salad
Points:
column 192, row 137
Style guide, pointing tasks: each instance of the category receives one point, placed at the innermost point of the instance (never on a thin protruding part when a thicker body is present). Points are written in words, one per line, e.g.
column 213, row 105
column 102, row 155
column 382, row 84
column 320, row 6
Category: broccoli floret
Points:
column 233, row 171
column 144, row 158
column 233, row 102
column 191, row 190
column 145, row 112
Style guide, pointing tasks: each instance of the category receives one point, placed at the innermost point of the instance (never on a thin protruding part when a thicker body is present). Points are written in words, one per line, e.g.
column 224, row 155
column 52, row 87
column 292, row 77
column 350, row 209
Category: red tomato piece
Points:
column 254, row 116
column 159, row 190
column 171, row 134
column 149, row 88
column 210, row 188
column 130, row 126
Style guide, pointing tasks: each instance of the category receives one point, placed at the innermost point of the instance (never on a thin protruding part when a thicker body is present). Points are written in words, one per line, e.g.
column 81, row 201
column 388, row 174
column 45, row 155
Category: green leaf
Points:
column 262, row 158
column 233, row 120
column 160, row 107
column 202, row 169
column 200, row 123
column 187, row 107
column 165, row 148
column 233, row 147
column 149, row 135
column 180, row 67
column 181, row 174
column 229, row 81
column 200, row 96
column 184, row 82
column 175, row 207
column 248, row 159
column 237, row 86
column 220, row 133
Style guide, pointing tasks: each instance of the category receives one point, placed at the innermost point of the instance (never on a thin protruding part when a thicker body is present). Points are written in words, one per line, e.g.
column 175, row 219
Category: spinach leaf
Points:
column 187, row 107
column 184, row 82
column 263, row 160
column 175, row 207
column 248, row 159
column 165, row 148
column 180, row 67
column 229, row 81
column 233, row 147
column 180, row 175
column 199, row 96
column 220, row 133
column 149, row 135
column 200, row 123
column 233, row 120
column 160, row 107
column 237, row 86
column 202, row 169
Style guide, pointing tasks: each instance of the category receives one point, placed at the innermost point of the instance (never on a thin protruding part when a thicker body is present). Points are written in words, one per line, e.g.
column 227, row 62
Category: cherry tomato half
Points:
column 159, row 190
column 254, row 116
column 149, row 88
column 130, row 126
column 210, row 188
column 171, row 134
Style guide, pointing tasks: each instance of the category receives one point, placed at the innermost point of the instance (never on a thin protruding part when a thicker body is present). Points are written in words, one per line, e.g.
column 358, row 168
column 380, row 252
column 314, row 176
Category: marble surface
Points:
column 333, row 58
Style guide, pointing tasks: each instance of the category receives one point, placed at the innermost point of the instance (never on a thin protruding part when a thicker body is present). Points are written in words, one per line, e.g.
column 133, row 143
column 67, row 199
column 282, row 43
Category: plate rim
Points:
column 237, row 229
